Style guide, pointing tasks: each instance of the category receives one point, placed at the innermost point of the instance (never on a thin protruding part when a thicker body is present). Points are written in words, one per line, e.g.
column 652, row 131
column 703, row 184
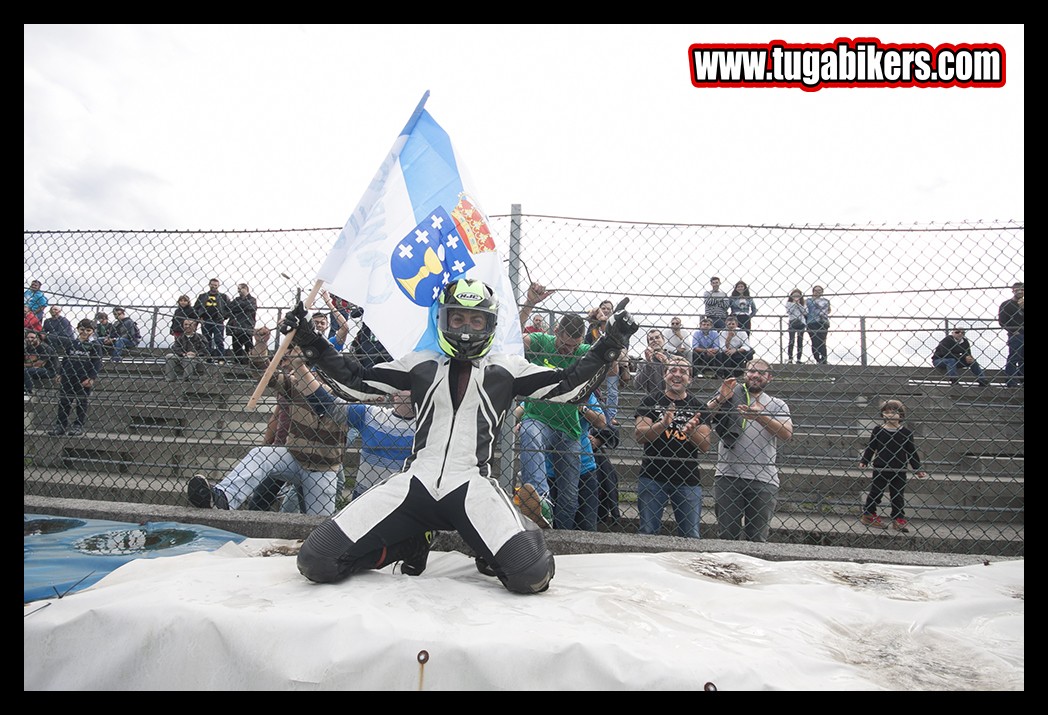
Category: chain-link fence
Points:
column 901, row 309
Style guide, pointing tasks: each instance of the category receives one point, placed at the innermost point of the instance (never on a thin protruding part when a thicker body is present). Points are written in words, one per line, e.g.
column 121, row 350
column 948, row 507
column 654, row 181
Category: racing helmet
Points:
column 469, row 339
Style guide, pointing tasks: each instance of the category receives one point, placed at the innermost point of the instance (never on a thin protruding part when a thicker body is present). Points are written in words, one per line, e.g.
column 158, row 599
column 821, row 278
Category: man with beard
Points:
column 40, row 362
column 751, row 423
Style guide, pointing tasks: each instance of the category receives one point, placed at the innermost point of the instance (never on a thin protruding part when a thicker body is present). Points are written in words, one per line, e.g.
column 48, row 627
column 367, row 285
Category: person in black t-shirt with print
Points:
column 671, row 426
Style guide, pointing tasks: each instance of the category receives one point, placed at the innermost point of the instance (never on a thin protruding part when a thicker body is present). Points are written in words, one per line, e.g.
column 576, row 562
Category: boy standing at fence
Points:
column 891, row 448
column 80, row 368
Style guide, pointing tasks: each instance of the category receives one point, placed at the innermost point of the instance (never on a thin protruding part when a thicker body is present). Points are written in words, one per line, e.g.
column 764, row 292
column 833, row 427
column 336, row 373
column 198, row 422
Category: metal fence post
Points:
column 506, row 436
column 514, row 250
column 782, row 338
column 862, row 341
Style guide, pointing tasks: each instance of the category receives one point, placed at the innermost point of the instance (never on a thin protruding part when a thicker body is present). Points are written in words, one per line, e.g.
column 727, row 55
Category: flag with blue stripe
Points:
column 418, row 227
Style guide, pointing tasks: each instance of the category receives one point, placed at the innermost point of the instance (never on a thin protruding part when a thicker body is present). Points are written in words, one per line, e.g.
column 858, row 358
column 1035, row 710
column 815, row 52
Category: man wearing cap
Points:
column 717, row 303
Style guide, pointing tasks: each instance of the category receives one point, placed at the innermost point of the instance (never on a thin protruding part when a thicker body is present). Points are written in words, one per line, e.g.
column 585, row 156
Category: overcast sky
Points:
column 245, row 127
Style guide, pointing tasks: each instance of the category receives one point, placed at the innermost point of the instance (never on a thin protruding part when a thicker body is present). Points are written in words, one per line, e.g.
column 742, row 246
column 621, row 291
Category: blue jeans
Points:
column 818, row 332
column 119, row 346
column 732, row 365
column 293, row 495
column 32, row 375
column 1015, row 368
column 686, row 502
column 950, row 365
column 536, row 440
column 611, row 397
column 215, row 337
column 738, row 499
column 319, row 488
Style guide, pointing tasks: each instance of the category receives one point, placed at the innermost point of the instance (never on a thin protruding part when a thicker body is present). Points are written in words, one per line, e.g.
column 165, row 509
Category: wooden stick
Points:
column 281, row 349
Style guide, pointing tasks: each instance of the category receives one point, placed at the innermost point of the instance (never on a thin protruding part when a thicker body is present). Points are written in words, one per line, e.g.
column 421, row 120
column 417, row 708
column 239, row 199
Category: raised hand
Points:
column 621, row 326
column 667, row 417
column 692, row 424
column 306, row 335
column 727, row 388
column 538, row 293
column 295, row 319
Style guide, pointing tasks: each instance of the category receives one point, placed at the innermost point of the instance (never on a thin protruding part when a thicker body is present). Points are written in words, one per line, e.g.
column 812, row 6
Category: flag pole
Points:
column 281, row 349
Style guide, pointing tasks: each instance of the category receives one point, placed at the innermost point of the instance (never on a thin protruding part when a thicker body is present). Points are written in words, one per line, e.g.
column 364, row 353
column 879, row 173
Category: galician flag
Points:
column 417, row 228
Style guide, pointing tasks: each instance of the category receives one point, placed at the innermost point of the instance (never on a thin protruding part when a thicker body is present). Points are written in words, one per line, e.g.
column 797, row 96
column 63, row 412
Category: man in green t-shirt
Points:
column 549, row 428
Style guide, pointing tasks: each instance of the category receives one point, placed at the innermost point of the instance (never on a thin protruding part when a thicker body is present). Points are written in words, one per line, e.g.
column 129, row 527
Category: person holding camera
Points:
column 750, row 424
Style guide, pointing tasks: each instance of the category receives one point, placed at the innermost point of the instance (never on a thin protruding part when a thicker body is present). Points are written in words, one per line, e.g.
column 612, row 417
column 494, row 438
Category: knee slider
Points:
column 319, row 559
column 526, row 562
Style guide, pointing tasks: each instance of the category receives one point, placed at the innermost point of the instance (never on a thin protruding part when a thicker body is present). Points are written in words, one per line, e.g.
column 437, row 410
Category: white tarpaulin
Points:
column 231, row 619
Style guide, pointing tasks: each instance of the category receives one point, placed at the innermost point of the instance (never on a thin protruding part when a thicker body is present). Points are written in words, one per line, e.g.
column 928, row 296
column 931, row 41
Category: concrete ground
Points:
column 298, row 526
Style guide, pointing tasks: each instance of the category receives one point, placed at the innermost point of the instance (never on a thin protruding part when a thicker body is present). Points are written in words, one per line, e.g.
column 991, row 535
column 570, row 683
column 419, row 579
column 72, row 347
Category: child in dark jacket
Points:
column 80, row 368
column 891, row 450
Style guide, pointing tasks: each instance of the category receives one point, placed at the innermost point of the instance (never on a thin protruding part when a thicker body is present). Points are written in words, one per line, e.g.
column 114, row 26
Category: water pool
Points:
column 62, row 554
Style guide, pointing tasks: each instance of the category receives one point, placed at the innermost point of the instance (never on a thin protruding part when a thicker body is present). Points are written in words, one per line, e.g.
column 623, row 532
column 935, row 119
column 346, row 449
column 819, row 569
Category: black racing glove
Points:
column 621, row 326
column 305, row 336
column 295, row 319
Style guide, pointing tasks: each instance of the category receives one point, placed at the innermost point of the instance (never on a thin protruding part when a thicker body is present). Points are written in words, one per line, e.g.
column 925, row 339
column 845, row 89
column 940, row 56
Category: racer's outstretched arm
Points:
column 575, row 383
column 342, row 372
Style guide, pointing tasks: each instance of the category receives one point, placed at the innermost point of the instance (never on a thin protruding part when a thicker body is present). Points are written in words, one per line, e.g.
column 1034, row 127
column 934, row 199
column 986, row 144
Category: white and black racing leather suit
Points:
column 447, row 482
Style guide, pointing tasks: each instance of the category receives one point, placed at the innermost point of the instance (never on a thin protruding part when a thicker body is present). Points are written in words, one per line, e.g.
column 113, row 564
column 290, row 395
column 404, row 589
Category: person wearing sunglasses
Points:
column 954, row 352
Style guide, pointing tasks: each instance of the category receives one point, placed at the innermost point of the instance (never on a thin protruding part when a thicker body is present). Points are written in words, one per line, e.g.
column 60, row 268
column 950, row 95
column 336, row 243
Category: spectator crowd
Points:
column 568, row 478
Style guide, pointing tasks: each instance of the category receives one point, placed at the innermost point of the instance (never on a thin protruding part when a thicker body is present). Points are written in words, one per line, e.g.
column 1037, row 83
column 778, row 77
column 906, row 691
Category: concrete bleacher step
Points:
column 155, row 454
column 149, row 456
column 926, row 533
column 76, row 483
column 818, row 482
